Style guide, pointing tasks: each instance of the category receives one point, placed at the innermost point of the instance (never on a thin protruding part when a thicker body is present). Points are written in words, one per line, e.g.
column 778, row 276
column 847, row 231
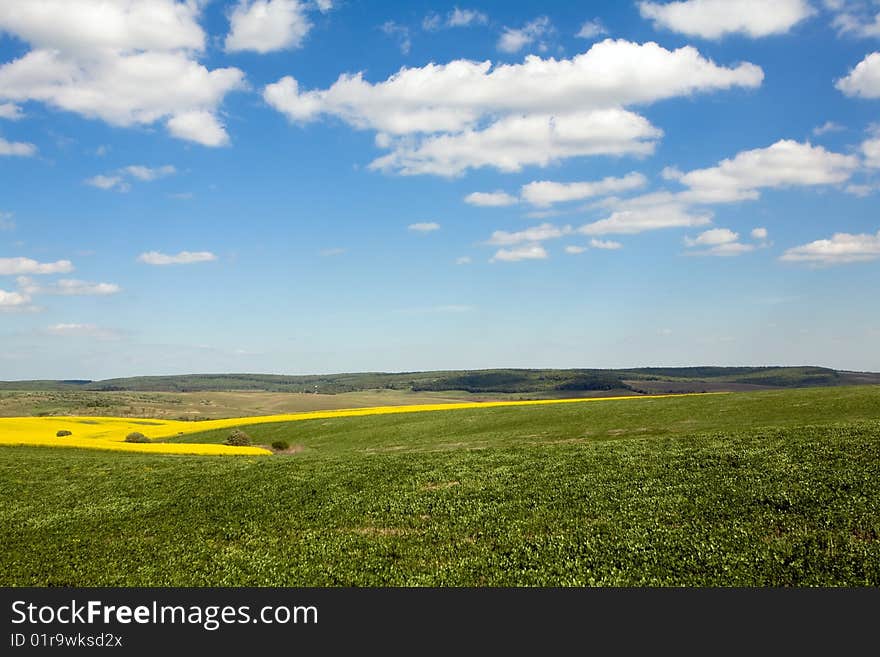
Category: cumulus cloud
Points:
column 455, row 18
column 182, row 258
column 545, row 193
column 842, row 248
column 142, row 172
column 129, row 62
column 66, row 287
column 713, row 19
column 447, row 118
column 573, row 249
column 759, row 233
column 27, row 266
column 591, row 29
column 17, row 148
column 871, row 150
column 10, row 112
column 528, row 252
column 863, row 81
column 424, row 227
column 494, row 199
column 266, row 25
column 513, row 40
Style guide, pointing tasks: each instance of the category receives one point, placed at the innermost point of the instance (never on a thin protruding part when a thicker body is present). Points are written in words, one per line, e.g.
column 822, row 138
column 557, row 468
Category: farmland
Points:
column 771, row 488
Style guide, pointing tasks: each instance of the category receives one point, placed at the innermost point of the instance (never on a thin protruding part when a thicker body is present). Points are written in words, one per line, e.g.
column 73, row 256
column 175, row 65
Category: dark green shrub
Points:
column 64, row 432
column 280, row 445
column 238, row 438
column 136, row 437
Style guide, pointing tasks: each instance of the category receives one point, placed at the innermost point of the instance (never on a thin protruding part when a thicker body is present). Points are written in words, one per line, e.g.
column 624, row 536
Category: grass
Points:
column 760, row 489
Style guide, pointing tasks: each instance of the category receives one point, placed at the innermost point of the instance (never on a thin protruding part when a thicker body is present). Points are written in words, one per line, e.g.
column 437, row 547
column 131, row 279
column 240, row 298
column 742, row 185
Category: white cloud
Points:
column 82, row 331
column 142, row 172
column 511, row 143
column 6, row 222
column 713, row 19
column 713, row 237
column 719, row 242
column 10, row 112
column 128, row 62
column 605, row 244
column 864, row 80
column 861, row 190
column 759, row 233
column 66, row 287
column 13, row 301
column 575, row 250
column 871, row 149
column 528, row 252
column 24, row 266
column 494, row 199
column 825, row 128
column 544, row 193
column 591, row 29
column 783, row 164
column 513, row 40
column 182, row 258
column 842, row 248
column 267, row 25
column 855, row 18
column 400, row 32
column 199, row 126
column 324, row 5
column 638, row 220
column 119, row 180
column 534, row 234
column 446, row 118
column 424, row 227
column 455, row 18
column 463, row 260
column 108, row 182
column 17, row 148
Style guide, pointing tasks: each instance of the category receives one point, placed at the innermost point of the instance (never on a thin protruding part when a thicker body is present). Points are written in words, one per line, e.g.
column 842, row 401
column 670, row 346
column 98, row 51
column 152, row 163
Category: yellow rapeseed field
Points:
column 110, row 432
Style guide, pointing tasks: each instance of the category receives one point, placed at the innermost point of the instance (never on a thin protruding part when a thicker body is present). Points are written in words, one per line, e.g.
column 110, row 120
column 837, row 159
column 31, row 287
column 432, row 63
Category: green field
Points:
column 776, row 488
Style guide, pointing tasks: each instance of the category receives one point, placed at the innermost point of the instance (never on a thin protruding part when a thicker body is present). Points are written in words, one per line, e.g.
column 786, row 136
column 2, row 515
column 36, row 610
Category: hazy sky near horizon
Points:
column 339, row 185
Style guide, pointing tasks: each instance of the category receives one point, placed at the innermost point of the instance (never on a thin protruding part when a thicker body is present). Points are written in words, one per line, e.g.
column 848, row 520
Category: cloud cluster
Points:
column 513, row 40
column 714, row 19
column 444, row 119
column 724, row 242
column 16, row 148
column 128, row 62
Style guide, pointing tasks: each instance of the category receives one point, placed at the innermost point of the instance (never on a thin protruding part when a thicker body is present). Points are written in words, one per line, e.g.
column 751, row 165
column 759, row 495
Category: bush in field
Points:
column 136, row 437
column 238, row 438
column 280, row 445
column 64, row 432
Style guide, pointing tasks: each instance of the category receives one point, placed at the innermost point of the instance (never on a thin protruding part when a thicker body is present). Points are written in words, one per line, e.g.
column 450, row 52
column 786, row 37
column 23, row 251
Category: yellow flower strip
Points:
column 110, row 432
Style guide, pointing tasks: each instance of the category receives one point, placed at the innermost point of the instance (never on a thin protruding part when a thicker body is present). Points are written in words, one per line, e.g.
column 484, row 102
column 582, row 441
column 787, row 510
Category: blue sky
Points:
column 299, row 187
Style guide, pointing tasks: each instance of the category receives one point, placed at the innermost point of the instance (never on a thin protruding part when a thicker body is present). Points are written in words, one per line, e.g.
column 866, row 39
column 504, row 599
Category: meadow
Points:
column 773, row 488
